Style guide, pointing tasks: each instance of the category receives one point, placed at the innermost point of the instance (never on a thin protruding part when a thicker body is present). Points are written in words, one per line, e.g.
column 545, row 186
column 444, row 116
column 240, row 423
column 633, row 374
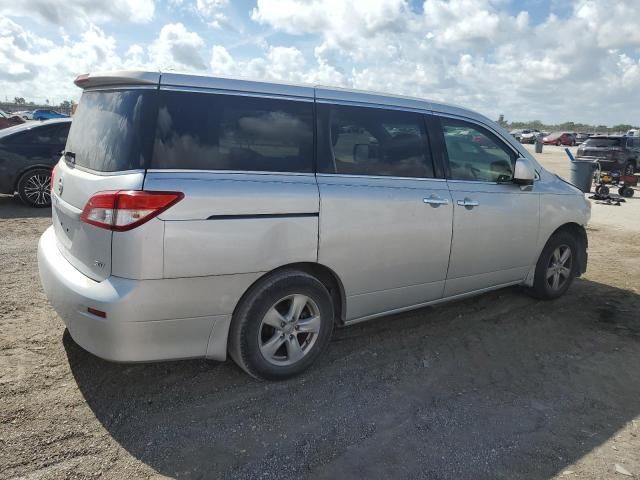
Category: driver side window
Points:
column 475, row 153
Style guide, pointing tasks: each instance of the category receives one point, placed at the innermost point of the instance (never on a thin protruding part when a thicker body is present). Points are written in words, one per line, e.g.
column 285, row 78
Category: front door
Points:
column 495, row 222
column 385, row 221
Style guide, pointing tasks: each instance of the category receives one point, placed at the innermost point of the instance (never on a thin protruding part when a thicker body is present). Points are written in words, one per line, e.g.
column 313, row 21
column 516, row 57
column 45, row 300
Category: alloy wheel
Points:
column 37, row 189
column 289, row 330
column 559, row 268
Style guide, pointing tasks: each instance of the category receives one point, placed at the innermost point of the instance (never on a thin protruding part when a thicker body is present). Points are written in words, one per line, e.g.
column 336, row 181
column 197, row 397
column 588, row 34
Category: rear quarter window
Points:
column 204, row 131
column 113, row 130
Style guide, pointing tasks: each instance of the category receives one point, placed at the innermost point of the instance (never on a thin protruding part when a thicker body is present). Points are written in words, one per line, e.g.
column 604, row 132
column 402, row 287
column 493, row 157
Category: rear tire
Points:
column 556, row 269
column 281, row 326
column 34, row 187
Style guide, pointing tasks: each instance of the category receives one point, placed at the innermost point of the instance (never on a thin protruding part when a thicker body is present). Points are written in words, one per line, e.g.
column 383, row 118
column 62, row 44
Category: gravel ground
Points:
column 498, row 386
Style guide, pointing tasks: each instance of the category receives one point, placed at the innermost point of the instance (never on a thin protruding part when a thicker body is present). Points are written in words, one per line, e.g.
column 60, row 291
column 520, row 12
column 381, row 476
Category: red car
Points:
column 560, row 138
column 8, row 120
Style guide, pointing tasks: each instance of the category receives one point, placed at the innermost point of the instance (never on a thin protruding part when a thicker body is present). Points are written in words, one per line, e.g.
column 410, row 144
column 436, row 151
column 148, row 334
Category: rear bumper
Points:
column 146, row 320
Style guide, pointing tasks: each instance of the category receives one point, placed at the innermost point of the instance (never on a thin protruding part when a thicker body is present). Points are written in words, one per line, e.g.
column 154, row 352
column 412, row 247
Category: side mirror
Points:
column 360, row 152
column 524, row 172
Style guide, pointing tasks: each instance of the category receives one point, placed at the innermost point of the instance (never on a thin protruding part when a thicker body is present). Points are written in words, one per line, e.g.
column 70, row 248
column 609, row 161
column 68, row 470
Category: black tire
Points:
column 247, row 330
column 602, row 190
column 543, row 287
column 34, row 187
column 626, row 192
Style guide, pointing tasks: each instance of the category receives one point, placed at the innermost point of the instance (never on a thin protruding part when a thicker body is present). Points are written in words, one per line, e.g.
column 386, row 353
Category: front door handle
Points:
column 467, row 202
column 435, row 201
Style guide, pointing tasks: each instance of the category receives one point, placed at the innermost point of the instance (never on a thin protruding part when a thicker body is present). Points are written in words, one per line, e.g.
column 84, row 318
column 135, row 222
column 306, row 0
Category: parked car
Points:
column 634, row 132
column 517, row 134
column 581, row 137
column 24, row 114
column 614, row 153
column 560, row 138
column 41, row 114
column 530, row 136
column 192, row 222
column 9, row 120
column 27, row 154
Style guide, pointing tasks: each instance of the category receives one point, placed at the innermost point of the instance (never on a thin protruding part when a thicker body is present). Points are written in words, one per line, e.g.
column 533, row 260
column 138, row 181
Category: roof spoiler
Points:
column 99, row 79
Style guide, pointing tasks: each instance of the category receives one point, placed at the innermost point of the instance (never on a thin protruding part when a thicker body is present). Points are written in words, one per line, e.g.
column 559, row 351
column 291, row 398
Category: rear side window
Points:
column 113, row 130
column 373, row 141
column 476, row 154
column 204, row 131
column 41, row 135
column 603, row 142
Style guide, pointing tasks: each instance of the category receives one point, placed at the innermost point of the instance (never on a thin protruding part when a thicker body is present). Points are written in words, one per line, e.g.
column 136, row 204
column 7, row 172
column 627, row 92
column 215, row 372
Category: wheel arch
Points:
column 322, row 273
column 25, row 170
column 580, row 233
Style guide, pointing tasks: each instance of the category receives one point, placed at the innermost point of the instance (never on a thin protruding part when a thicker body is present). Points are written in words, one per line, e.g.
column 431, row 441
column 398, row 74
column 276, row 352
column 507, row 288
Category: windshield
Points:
column 112, row 130
column 603, row 142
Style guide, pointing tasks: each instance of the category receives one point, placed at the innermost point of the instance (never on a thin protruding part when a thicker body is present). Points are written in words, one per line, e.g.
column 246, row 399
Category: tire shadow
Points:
column 496, row 386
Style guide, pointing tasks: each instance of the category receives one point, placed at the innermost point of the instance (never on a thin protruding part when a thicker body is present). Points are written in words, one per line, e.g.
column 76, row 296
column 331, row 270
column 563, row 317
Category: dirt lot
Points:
column 498, row 386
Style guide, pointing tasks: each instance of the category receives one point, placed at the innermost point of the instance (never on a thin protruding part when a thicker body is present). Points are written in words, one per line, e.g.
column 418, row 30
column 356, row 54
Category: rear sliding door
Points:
column 245, row 166
column 385, row 221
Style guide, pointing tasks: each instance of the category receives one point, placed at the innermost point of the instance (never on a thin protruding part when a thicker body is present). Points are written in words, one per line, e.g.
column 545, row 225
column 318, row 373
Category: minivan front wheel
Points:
column 281, row 326
column 557, row 266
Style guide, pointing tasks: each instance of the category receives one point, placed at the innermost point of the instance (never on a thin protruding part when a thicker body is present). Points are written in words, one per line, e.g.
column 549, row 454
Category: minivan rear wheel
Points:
column 557, row 267
column 281, row 325
column 34, row 187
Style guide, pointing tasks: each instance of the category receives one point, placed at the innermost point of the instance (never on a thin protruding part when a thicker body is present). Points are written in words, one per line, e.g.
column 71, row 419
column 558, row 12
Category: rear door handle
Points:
column 468, row 203
column 435, row 201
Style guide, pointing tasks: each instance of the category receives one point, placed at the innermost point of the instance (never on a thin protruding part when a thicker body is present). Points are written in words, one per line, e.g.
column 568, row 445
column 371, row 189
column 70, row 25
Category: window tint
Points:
column 602, row 142
column 225, row 132
column 42, row 135
column 112, row 130
column 475, row 153
column 374, row 141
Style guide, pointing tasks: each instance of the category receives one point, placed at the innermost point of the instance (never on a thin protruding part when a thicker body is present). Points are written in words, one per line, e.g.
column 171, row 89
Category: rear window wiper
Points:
column 69, row 156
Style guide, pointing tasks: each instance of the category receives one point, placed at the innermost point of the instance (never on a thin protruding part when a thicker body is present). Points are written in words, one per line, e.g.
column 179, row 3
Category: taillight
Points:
column 123, row 210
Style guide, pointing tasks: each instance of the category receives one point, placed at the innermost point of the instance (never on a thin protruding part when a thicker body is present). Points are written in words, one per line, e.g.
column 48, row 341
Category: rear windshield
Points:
column 113, row 130
column 603, row 142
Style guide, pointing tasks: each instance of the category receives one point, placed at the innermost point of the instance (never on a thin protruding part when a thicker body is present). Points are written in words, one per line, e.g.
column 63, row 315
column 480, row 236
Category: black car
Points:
column 615, row 153
column 28, row 152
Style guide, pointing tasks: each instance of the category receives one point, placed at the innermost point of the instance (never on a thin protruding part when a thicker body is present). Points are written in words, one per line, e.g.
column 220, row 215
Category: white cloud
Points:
column 84, row 12
column 177, row 48
column 212, row 12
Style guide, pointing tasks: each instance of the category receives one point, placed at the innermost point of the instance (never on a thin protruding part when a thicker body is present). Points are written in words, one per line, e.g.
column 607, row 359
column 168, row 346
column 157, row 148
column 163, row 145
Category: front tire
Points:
column 557, row 267
column 281, row 326
column 34, row 188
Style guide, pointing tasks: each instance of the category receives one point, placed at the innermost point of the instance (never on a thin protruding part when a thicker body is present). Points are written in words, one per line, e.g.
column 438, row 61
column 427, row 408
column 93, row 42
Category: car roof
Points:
column 5, row 132
column 321, row 93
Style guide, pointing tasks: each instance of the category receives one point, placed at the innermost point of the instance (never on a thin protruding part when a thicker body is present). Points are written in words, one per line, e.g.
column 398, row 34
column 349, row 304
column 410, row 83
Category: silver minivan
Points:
column 195, row 216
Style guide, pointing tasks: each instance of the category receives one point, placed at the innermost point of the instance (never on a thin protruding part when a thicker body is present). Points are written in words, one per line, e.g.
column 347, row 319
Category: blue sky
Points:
column 553, row 60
